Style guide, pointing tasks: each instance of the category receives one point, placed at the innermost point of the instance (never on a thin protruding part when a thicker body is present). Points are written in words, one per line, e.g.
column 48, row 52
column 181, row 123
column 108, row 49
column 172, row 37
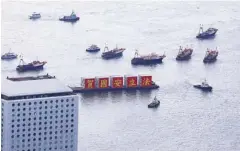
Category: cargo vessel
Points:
column 211, row 56
column 184, row 54
column 209, row 33
column 114, row 53
column 114, row 83
column 32, row 66
column 150, row 59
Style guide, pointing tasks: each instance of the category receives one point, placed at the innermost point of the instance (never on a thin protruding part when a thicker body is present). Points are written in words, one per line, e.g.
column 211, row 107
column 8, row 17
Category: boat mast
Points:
column 180, row 48
column 105, row 48
column 201, row 29
column 136, row 53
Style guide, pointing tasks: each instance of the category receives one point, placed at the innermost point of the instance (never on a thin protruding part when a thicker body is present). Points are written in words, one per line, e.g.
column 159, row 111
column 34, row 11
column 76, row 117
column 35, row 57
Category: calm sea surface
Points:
column 187, row 119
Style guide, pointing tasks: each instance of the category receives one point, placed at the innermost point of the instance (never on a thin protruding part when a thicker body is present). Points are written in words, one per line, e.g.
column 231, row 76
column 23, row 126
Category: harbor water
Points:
column 187, row 119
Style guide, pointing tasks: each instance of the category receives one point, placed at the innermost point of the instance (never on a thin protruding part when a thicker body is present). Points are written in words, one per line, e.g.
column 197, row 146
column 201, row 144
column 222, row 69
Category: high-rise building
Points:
column 38, row 115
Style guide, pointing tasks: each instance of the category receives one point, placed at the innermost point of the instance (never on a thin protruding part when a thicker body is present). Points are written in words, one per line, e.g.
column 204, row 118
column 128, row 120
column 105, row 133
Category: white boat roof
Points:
column 32, row 87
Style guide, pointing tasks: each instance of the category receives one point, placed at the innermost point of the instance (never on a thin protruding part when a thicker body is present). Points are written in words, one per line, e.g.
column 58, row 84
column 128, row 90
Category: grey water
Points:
column 187, row 118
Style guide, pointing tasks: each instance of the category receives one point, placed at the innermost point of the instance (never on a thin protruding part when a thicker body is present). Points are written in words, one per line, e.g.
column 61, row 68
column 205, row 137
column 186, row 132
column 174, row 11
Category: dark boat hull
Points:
column 69, row 20
column 140, row 61
column 8, row 58
column 154, row 105
column 83, row 90
column 203, row 88
column 93, row 50
column 23, row 68
column 187, row 57
column 207, row 60
column 206, row 35
column 107, row 55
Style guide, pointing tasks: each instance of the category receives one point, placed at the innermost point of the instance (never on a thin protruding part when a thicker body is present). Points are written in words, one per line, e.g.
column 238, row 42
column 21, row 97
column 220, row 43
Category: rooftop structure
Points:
column 39, row 114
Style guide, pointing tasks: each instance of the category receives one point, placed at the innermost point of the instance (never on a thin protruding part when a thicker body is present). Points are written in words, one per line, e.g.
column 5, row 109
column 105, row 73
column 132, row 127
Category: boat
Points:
column 154, row 104
column 9, row 56
column 204, row 86
column 72, row 18
column 184, row 54
column 209, row 33
column 152, row 58
column 114, row 53
column 32, row 66
column 93, row 48
column 35, row 16
column 211, row 56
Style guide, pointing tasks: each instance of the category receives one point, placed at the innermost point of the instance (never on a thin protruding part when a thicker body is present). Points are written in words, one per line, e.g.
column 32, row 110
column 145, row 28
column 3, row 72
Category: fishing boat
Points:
column 35, row 16
column 114, row 53
column 93, row 48
column 204, row 86
column 154, row 104
column 209, row 33
column 184, row 54
column 72, row 18
column 35, row 65
column 9, row 56
column 152, row 58
column 211, row 56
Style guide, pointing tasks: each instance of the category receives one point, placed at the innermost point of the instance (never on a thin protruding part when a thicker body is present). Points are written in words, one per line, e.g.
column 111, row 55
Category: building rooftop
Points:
column 33, row 87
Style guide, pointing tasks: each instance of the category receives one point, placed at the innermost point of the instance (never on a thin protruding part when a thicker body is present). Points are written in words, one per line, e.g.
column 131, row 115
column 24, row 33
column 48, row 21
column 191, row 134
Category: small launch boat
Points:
column 204, row 86
column 154, row 104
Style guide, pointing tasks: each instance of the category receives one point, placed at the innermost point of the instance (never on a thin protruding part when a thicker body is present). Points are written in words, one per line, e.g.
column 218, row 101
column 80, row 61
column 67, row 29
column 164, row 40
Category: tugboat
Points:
column 204, row 86
column 153, row 58
column 211, row 56
column 9, row 56
column 115, row 53
column 154, row 104
column 209, row 33
column 32, row 66
column 93, row 48
column 184, row 54
column 72, row 18
column 35, row 16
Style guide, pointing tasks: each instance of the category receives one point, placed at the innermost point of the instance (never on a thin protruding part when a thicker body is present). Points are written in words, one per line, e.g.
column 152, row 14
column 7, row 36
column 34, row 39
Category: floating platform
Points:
column 41, row 77
column 83, row 90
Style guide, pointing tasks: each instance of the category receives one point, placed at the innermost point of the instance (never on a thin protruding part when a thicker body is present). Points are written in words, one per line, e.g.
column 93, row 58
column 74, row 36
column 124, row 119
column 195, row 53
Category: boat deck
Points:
column 82, row 90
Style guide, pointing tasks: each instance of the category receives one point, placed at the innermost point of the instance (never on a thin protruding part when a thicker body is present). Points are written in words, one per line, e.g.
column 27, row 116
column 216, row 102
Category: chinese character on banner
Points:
column 132, row 82
column 103, row 83
column 146, row 81
column 90, row 83
column 117, row 83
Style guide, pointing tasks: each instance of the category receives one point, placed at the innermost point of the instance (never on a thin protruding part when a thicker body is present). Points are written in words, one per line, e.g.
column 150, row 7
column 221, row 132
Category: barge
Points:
column 115, row 83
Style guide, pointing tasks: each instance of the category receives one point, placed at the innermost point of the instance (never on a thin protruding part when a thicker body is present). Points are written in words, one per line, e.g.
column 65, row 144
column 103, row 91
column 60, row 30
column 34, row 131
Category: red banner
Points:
column 90, row 83
column 117, row 82
column 103, row 82
column 146, row 81
column 132, row 81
